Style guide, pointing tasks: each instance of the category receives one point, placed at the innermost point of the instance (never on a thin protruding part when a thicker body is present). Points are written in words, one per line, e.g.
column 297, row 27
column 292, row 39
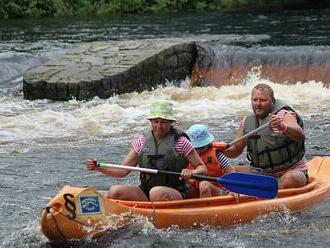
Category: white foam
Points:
column 25, row 121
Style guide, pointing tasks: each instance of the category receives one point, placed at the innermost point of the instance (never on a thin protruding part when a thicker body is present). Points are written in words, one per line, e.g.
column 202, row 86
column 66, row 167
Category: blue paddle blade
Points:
column 250, row 184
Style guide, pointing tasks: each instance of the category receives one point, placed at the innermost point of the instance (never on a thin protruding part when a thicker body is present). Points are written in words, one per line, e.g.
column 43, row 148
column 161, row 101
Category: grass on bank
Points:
column 10, row 9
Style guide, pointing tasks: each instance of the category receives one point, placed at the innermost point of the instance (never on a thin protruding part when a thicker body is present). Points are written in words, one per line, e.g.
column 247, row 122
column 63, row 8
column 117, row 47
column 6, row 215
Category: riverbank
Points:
column 10, row 9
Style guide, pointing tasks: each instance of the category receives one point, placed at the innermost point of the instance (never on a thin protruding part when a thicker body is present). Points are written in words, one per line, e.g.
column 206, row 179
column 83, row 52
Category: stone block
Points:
column 62, row 91
column 171, row 61
column 74, row 90
column 51, row 91
column 107, row 68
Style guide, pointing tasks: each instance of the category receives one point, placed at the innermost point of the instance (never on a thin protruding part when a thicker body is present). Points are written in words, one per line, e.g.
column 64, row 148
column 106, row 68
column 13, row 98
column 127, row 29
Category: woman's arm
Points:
column 131, row 159
column 199, row 166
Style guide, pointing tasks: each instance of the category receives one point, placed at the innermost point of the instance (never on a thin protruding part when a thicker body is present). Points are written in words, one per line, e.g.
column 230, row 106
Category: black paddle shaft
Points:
column 198, row 177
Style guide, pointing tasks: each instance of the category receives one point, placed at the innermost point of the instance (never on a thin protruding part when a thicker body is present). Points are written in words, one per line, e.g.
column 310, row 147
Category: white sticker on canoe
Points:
column 90, row 204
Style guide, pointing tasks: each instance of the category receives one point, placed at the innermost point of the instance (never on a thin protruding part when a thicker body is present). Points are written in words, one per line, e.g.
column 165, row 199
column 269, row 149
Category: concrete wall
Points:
column 106, row 68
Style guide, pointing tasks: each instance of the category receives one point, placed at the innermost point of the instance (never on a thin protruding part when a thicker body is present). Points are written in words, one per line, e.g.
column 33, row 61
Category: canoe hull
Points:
column 80, row 213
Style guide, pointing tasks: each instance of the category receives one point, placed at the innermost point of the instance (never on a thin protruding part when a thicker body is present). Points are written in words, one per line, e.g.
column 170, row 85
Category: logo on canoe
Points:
column 90, row 204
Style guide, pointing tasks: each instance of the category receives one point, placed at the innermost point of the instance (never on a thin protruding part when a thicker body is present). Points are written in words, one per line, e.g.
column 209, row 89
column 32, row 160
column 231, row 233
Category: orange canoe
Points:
column 82, row 213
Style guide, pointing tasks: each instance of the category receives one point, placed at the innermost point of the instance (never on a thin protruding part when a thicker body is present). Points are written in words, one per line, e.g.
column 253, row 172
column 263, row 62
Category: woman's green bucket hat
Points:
column 161, row 109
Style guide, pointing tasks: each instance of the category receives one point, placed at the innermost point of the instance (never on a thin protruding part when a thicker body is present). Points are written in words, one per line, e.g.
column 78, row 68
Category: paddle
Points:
column 243, row 183
column 253, row 132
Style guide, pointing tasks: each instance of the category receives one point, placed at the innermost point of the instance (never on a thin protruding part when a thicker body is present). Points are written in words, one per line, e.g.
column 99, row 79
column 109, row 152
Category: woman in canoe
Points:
column 164, row 148
column 278, row 150
column 216, row 162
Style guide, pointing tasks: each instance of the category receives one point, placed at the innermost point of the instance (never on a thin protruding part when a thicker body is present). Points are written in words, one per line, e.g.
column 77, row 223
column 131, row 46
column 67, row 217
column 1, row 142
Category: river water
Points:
column 43, row 144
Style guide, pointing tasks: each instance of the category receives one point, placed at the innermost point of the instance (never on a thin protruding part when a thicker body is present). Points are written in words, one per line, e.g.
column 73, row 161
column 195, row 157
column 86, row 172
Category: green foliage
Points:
column 62, row 9
column 107, row 7
column 199, row 5
column 166, row 5
column 40, row 8
column 13, row 10
column 37, row 8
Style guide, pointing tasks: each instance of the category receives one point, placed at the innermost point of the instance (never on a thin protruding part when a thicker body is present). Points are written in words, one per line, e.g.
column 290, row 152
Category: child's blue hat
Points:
column 199, row 135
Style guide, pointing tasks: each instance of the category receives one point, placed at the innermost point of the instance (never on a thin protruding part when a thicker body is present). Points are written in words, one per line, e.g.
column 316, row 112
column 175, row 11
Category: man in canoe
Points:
column 216, row 162
column 279, row 150
column 163, row 148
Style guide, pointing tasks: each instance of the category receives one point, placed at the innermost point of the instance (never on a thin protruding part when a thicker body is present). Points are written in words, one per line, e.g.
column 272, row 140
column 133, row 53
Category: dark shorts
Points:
column 146, row 190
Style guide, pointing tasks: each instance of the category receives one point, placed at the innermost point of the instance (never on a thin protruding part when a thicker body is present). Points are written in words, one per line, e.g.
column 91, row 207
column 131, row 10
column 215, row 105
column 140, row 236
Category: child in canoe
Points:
column 211, row 154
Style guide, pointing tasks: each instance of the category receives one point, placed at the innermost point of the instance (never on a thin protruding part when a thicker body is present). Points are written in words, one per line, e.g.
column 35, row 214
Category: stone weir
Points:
column 106, row 68
column 219, row 64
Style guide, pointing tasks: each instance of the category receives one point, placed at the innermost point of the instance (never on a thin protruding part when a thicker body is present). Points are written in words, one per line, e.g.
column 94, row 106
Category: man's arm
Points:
column 236, row 149
column 288, row 125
